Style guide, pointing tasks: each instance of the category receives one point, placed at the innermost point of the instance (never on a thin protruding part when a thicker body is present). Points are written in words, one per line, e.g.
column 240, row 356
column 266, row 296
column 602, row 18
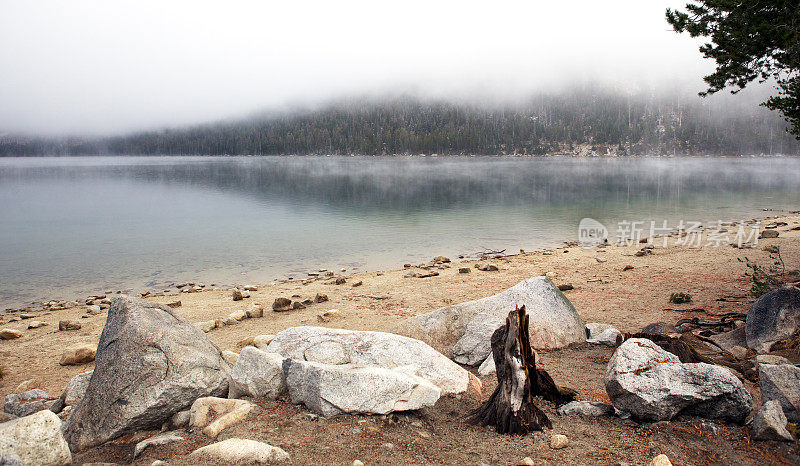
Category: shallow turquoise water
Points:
column 75, row 226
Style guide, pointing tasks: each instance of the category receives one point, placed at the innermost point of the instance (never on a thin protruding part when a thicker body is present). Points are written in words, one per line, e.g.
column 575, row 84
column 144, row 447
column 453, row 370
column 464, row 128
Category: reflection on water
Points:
column 73, row 226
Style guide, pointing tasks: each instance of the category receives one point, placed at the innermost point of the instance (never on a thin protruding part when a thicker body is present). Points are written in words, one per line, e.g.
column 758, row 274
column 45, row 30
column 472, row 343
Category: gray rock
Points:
column 476, row 343
column 771, row 359
column 586, row 408
column 372, row 349
column 487, row 366
column 257, row 374
column 150, row 364
column 769, row 423
column 179, row 419
column 35, row 439
column 554, row 322
column 781, row 382
column 729, row 340
column 652, row 384
column 660, row 328
column 162, row 439
column 76, row 388
column 608, row 337
column 26, row 403
column 10, row 460
column 238, row 451
column 774, row 316
column 594, row 328
column 329, row 389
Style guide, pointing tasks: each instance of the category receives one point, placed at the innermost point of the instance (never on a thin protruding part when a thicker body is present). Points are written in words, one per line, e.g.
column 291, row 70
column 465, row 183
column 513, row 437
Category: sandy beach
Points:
column 603, row 292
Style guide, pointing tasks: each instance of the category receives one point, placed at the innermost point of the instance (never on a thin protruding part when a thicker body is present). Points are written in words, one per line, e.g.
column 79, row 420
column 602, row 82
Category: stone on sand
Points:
column 151, row 364
column 228, row 412
column 652, row 384
column 35, row 440
column 373, row 349
column 239, row 451
column 554, row 322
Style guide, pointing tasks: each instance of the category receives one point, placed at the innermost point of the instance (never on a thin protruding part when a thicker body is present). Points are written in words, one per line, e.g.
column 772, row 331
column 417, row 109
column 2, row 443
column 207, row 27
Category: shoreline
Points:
column 179, row 287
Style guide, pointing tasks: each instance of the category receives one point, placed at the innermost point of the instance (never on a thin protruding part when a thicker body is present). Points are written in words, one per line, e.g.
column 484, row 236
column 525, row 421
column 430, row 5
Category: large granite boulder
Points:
column 781, row 382
column 257, row 374
column 652, row 384
column 773, row 317
column 463, row 331
column 35, row 439
column 150, row 364
column 372, row 349
column 330, row 389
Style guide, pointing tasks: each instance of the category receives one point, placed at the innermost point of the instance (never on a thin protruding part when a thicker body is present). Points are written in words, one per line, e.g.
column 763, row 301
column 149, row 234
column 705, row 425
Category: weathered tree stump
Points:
column 510, row 408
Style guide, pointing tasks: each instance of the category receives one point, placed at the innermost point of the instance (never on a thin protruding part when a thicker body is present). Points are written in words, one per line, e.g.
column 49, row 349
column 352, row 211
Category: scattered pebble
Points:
column 558, row 441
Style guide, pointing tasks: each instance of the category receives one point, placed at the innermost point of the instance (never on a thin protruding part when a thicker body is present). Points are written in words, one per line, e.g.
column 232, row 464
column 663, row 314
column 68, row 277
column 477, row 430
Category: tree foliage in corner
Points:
column 750, row 40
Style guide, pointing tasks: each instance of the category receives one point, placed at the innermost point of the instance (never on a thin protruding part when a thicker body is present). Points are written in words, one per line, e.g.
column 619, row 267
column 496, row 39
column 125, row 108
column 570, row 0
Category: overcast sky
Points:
column 114, row 66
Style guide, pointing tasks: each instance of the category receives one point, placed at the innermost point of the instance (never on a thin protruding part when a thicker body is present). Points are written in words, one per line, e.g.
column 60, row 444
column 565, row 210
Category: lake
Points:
column 77, row 226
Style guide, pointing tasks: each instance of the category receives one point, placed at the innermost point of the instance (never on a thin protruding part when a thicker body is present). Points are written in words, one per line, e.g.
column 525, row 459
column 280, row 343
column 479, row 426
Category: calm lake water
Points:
column 76, row 226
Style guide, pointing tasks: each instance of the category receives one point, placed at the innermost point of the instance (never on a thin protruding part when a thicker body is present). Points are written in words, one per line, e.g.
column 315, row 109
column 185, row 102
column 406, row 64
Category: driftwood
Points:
column 511, row 408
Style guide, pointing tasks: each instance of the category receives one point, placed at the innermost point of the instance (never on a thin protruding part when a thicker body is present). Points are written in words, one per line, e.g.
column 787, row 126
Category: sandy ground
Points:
column 603, row 292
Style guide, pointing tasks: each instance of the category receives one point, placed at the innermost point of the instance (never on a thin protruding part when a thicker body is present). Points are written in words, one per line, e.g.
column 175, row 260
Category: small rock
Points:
column 586, row 408
column 660, row 460
column 94, row 309
column 298, row 305
column 282, row 304
column 409, row 274
column 230, row 356
column 558, row 441
column 627, row 267
column 162, row 439
column 357, row 463
column 566, row 287
column 769, row 234
column 464, row 270
column 771, row 359
column 174, row 304
column 238, row 315
column 251, row 288
column 27, row 403
column 239, row 295
column 255, row 312
column 740, row 352
column 228, row 412
column 29, row 384
column 339, row 281
column 600, row 259
column 527, row 461
column 9, row 334
column 230, row 321
column 36, row 324
column 486, row 267
column 76, row 388
column 262, row 341
column 358, row 283
column 78, row 354
column 320, row 298
column 239, row 451
column 769, row 423
column 66, row 325
column 206, row 326
column 27, row 316
column 180, row 419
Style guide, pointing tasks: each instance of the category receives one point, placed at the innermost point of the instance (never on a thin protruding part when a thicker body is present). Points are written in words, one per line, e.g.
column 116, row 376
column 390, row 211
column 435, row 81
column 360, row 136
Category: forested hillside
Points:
column 583, row 123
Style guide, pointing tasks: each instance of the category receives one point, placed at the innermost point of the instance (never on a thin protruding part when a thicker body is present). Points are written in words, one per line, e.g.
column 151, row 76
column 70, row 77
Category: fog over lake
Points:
column 76, row 226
